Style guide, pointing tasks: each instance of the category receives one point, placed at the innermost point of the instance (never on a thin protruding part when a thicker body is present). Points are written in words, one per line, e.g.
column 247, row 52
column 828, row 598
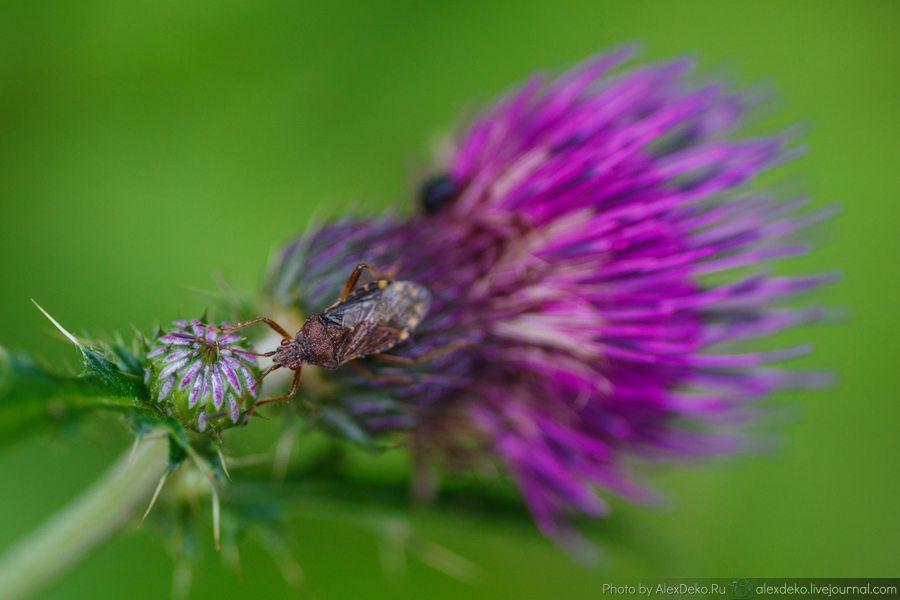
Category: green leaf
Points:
column 115, row 380
column 33, row 398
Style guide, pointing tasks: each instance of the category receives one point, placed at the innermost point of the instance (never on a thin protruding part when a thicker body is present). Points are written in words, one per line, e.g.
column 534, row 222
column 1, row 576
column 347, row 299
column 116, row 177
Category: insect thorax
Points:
column 316, row 343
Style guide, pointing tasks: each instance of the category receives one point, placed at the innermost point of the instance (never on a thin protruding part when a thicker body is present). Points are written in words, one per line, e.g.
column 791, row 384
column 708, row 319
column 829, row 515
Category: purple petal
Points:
column 195, row 392
column 189, row 374
column 159, row 351
column 234, row 409
column 218, row 388
column 230, row 375
column 172, row 368
column 177, row 356
column 205, row 394
column 166, row 389
column 249, row 358
column 249, row 381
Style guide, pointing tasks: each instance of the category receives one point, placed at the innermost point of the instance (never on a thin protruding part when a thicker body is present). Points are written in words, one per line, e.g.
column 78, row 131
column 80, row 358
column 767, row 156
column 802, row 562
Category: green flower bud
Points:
column 205, row 379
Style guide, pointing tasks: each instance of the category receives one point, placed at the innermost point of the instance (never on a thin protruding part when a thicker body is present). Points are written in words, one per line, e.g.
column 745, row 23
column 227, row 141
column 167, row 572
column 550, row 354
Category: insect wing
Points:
column 378, row 315
column 369, row 338
column 403, row 305
column 356, row 308
column 399, row 305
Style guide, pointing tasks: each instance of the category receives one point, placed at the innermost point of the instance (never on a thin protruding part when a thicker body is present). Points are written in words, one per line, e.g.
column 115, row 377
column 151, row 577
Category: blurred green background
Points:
column 137, row 137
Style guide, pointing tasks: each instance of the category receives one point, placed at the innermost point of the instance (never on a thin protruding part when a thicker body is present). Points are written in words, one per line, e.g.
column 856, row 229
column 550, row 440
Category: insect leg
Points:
column 265, row 320
column 354, row 277
column 294, row 384
column 380, row 378
column 256, row 385
column 437, row 353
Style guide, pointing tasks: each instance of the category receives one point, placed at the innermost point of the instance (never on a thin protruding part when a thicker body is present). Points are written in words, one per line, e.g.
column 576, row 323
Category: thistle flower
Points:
column 199, row 383
column 591, row 244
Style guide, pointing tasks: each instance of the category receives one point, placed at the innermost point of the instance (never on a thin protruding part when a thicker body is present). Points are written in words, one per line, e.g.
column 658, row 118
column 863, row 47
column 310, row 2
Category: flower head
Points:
column 201, row 376
column 592, row 244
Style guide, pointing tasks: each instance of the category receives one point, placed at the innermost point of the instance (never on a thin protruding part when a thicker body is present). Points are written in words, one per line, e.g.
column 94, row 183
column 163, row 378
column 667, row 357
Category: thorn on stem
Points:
column 162, row 481
column 71, row 337
column 222, row 461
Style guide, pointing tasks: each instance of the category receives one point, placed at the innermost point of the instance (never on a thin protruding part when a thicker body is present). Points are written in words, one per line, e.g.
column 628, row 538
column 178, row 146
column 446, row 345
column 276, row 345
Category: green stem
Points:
column 68, row 536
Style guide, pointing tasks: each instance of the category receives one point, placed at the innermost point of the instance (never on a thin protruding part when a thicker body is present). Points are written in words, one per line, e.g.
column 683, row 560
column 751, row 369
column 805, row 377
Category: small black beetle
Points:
column 438, row 192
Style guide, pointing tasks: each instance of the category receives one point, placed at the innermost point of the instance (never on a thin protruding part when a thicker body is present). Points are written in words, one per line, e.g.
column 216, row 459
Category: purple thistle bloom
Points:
column 196, row 381
column 592, row 244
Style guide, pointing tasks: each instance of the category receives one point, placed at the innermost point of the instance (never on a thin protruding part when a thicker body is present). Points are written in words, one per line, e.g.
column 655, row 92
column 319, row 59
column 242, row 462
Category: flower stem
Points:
column 68, row 536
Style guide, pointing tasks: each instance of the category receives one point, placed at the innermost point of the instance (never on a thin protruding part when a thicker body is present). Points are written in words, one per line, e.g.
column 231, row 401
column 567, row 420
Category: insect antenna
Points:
column 219, row 346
